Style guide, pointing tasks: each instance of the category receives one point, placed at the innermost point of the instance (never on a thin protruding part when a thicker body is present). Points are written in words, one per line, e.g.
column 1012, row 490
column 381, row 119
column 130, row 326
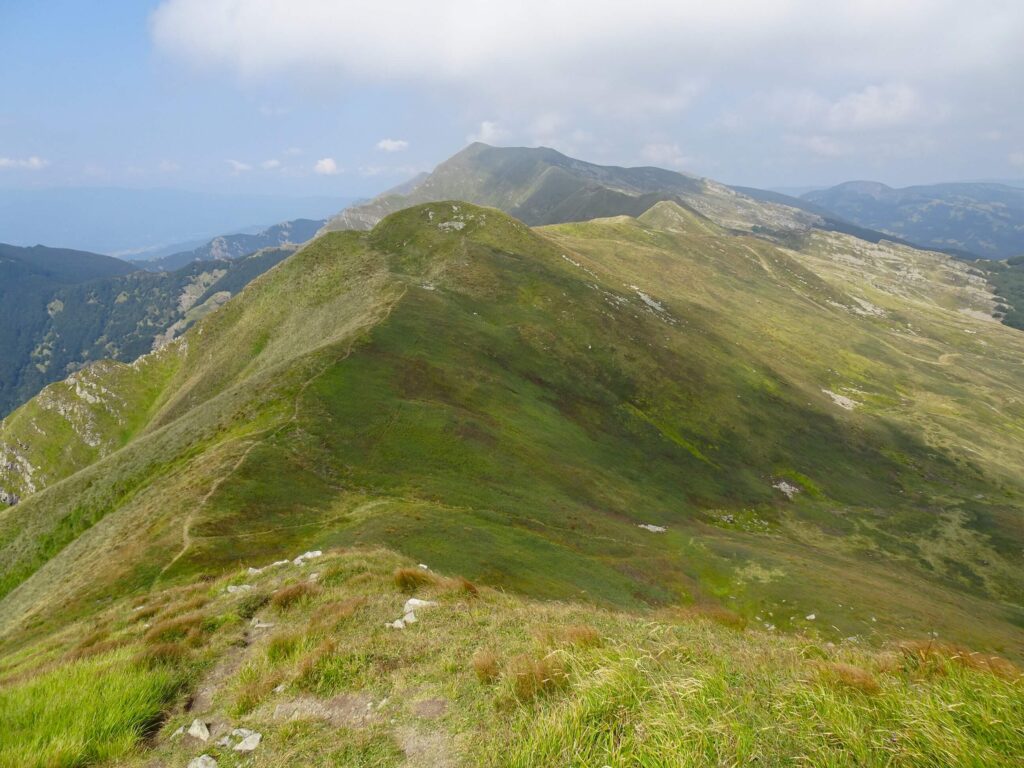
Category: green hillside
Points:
column 512, row 404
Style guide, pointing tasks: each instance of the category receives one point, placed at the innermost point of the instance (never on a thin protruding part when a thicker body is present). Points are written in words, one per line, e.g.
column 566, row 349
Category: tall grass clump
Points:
column 89, row 711
column 411, row 579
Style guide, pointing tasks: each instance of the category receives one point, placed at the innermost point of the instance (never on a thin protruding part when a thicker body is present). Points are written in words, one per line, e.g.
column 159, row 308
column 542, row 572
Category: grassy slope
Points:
column 506, row 404
column 485, row 679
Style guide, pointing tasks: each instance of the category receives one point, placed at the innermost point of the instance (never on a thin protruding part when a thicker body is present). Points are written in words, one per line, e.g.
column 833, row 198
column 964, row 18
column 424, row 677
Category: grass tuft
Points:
column 485, row 665
column 934, row 658
column 250, row 604
column 411, row 579
column 188, row 628
column 294, row 594
column 162, row 654
column 531, row 677
column 849, row 676
column 719, row 614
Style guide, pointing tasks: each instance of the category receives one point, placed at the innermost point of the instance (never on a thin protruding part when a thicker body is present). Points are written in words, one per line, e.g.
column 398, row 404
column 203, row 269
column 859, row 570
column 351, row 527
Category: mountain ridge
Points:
column 324, row 392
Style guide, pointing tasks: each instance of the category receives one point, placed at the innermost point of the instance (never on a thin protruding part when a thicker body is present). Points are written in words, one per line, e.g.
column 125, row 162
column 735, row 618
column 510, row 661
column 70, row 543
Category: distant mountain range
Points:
column 971, row 219
column 142, row 223
column 235, row 246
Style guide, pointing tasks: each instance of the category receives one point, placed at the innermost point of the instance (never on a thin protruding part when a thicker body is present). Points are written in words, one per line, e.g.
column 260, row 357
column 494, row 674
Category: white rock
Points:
column 203, row 761
column 278, row 563
column 234, row 589
column 413, row 603
column 255, row 571
column 249, row 743
column 652, row 528
column 810, row 617
column 311, row 555
column 314, row 577
column 841, row 400
column 198, row 730
column 179, row 732
column 424, row 567
column 409, row 618
column 787, row 488
column 396, row 624
column 257, row 624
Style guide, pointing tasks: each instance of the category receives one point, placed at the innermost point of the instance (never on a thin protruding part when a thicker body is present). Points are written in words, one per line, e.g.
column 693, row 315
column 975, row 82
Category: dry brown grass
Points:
column 188, row 628
column 932, row 657
column 93, row 648
column 581, row 635
column 332, row 614
column 467, row 587
column 708, row 611
column 189, row 605
column 145, row 612
column 254, row 690
column 308, row 665
column 530, row 676
column 411, row 579
column 293, row 594
column 849, row 676
column 161, row 654
column 485, row 665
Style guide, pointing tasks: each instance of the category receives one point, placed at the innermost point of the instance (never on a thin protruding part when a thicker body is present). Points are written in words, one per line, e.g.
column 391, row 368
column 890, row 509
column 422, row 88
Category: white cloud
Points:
column 880, row 106
column 238, row 167
column 846, row 77
column 666, row 155
column 820, row 146
column 392, row 145
column 489, row 132
column 270, row 165
column 473, row 39
column 168, row 166
column 32, row 163
column 326, row 166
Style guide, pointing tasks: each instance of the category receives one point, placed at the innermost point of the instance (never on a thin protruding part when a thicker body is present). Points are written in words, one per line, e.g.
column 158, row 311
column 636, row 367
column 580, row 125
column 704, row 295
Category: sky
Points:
column 330, row 97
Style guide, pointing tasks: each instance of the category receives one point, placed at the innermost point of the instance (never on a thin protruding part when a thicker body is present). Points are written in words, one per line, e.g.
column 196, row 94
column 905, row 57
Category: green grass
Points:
column 566, row 684
column 82, row 712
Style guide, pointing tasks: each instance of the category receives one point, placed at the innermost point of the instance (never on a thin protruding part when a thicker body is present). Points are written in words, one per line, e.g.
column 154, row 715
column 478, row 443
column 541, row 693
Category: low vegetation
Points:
column 489, row 679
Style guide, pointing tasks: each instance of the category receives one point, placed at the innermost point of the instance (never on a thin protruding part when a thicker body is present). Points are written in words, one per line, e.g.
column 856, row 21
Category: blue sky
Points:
column 318, row 97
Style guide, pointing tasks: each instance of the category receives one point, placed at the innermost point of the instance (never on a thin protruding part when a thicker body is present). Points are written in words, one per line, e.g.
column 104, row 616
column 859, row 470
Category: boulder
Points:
column 199, row 730
column 203, row 761
column 413, row 604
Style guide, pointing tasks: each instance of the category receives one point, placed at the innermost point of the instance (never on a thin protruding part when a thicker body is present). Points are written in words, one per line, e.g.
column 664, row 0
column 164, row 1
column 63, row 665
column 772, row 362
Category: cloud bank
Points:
column 834, row 80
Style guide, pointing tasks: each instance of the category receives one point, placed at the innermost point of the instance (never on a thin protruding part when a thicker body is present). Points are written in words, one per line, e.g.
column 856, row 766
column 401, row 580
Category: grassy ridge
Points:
column 512, row 404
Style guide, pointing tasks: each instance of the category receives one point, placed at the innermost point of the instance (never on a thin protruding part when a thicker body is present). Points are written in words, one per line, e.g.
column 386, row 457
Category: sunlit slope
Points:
column 512, row 404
